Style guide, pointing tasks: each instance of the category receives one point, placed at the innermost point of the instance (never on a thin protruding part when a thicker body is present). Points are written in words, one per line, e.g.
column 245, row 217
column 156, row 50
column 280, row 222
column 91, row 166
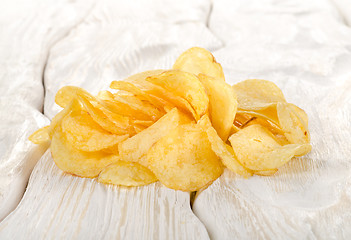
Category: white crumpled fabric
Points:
column 302, row 46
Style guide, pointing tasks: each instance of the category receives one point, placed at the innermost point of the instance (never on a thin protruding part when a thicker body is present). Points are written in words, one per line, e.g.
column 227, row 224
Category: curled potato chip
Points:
column 183, row 159
column 223, row 150
column 292, row 124
column 65, row 94
column 163, row 98
column 85, row 134
column 117, row 126
column 143, row 75
column 198, row 60
column 134, row 148
column 56, row 121
column 143, row 106
column 268, row 113
column 185, row 85
column 105, row 95
column 222, row 104
column 255, row 94
column 257, row 149
column 266, row 172
column 126, row 174
column 73, row 161
column 40, row 136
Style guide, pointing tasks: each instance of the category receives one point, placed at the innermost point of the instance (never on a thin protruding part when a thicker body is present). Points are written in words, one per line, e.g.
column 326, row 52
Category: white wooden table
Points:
column 302, row 46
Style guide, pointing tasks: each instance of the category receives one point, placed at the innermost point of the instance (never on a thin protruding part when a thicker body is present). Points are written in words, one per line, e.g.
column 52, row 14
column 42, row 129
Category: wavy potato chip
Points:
column 294, row 127
column 56, row 121
column 40, row 136
column 223, row 150
column 185, row 85
column 163, row 98
column 257, row 149
column 141, row 105
column 198, row 60
column 128, row 174
column 83, row 133
column 255, row 94
column 119, row 124
column 73, row 161
column 134, row 148
column 183, row 159
column 222, row 105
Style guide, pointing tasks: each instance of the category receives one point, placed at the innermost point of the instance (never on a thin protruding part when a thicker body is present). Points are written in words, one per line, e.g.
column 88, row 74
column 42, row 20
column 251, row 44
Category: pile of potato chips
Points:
column 181, row 126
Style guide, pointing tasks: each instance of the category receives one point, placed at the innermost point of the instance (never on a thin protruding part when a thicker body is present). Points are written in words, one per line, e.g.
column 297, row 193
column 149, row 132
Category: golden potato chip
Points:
column 241, row 119
column 126, row 174
column 67, row 93
column 234, row 129
column 273, row 128
column 222, row 105
column 138, row 128
column 73, row 161
column 142, row 106
column 163, row 98
column 223, row 150
column 268, row 113
column 293, row 126
column 142, row 123
column 300, row 113
column 73, row 105
column 185, row 85
column 255, row 94
column 124, row 109
column 83, row 133
column 183, row 159
column 266, row 172
column 143, row 75
column 40, row 136
column 276, row 130
column 120, row 124
column 134, row 148
column 105, row 95
column 198, row 60
column 257, row 149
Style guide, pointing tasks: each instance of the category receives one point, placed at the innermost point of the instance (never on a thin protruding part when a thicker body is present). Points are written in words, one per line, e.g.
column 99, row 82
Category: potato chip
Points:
column 120, row 124
column 143, row 75
column 268, row 113
column 257, row 149
column 223, row 150
column 125, row 109
column 255, row 94
column 40, row 136
column 73, row 105
column 163, row 98
column 183, row 159
column 292, row 125
column 142, row 106
column 266, row 172
column 105, row 95
column 241, row 119
column 135, row 147
column 83, row 133
column 185, row 85
column 222, row 104
column 198, row 60
column 67, row 93
column 126, row 174
column 142, row 123
column 73, row 161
